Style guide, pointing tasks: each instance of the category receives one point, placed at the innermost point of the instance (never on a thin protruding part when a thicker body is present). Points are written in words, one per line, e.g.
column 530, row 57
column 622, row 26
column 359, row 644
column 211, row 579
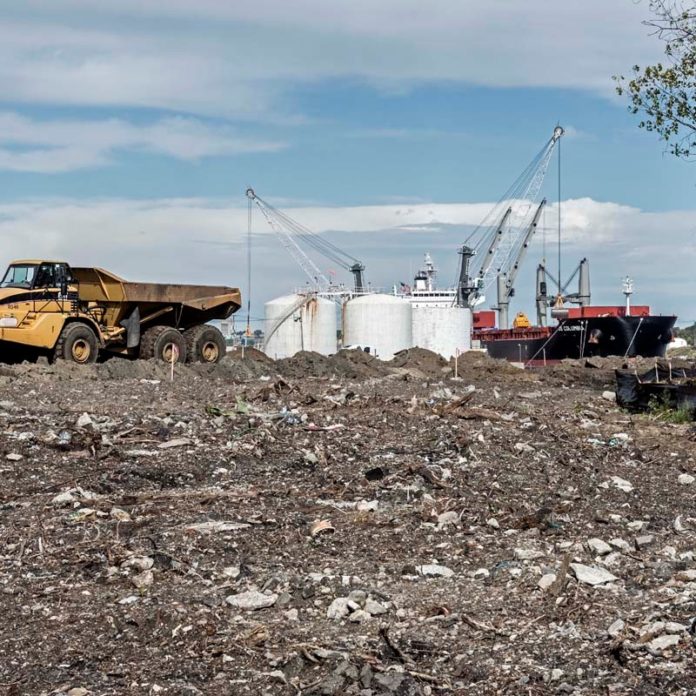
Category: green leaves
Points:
column 665, row 95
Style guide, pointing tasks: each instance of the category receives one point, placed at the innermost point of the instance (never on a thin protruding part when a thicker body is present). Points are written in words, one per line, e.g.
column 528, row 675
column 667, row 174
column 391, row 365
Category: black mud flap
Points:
column 132, row 327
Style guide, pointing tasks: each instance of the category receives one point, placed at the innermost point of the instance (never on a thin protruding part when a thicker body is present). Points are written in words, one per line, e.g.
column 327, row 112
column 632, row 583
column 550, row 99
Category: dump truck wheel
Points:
column 163, row 343
column 205, row 344
column 78, row 344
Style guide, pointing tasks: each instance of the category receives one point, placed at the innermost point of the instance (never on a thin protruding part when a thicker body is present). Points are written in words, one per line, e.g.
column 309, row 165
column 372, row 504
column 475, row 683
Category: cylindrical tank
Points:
column 379, row 322
column 443, row 330
column 300, row 322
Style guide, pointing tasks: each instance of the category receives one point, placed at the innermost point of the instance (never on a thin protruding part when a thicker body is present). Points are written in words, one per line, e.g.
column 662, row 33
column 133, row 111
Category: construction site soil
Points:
column 342, row 526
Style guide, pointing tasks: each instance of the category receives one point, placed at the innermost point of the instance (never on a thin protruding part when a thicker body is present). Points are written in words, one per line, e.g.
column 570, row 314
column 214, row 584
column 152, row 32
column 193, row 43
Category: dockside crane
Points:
column 500, row 241
column 293, row 235
column 506, row 279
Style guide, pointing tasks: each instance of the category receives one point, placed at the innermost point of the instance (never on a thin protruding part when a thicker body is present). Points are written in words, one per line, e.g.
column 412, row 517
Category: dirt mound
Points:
column 357, row 364
column 348, row 364
column 234, row 368
column 425, row 361
column 250, row 354
column 304, row 364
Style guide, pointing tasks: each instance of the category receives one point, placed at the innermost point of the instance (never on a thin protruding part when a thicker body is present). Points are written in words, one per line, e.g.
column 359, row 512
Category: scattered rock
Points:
column 616, row 628
column 338, row 609
column 599, row 547
column 84, row 421
column 546, row 581
column 528, row 554
column 447, row 518
column 686, row 479
column 621, row 484
column 359, row 615
column 434, row 570
column 663, row 642
column 375, row 608
column 643, row 541
column 252, row 600
column 143, row 580
column 591, row 575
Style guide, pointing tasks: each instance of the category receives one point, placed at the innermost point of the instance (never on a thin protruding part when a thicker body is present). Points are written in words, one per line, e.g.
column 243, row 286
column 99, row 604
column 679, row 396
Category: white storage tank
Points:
column 380, row 322
column 443, row 330
column 300, row 322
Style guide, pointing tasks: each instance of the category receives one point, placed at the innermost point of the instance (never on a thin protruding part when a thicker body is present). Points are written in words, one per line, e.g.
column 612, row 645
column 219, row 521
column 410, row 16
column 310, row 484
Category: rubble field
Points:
column 342, row 526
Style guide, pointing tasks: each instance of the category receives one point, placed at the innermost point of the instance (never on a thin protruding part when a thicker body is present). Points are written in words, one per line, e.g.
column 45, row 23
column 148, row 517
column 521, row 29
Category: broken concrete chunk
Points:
column 434, row 570
column 620, row 544
column 621, row 484
column 616, row 628
column 252, row 600
column 359, row 616
column 139, row 562
column 528, row 554
column 367, row 505
column 598, row 547
column 178, row 442
column 643, row 541
column 338, row 609
column 546, row 581
column 143, row 580
column 375, row 608
column 217, row 526
column 447, row 518
column 663, row 642
column 64, row 498
column 591, row 575
column 120, row 515
column 84, row 421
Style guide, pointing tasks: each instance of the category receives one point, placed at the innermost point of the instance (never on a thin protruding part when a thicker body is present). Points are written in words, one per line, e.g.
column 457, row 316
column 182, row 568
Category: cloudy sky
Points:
column 130, row 130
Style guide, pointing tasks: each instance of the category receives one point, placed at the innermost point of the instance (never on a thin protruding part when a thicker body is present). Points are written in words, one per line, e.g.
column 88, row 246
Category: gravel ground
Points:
column 341, row 526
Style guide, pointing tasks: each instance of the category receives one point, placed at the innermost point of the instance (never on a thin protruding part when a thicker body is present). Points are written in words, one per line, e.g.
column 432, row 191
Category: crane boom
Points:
column 526, row 196
column 514, row 269
column 291, row 233
column 506, row 279
column 304, row 262
column 490, row 254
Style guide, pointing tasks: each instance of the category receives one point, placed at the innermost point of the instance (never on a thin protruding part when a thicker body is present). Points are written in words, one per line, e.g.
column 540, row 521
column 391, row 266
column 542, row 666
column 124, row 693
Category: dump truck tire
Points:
column 204, row 344
column 77, row 343
column 158, row 342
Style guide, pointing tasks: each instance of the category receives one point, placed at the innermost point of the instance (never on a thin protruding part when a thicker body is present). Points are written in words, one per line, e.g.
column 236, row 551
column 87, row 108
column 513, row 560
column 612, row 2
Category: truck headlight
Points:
column 8, row 322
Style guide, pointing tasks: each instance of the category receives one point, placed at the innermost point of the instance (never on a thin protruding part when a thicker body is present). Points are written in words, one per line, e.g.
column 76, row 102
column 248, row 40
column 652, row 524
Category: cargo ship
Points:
column 581, row 332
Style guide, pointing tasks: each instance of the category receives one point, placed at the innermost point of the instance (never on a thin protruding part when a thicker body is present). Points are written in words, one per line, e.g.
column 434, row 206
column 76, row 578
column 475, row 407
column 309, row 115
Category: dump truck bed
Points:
column 193, row 304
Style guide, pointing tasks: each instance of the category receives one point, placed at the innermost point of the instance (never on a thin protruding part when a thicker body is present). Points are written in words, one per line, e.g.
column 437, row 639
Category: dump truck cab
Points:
column 76, row 313
column 35, row 275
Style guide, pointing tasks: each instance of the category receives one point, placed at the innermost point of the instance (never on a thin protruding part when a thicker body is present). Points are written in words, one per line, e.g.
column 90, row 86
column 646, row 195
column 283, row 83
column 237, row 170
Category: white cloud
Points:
column 197, row 240
column 51, row 146
column 242, row 59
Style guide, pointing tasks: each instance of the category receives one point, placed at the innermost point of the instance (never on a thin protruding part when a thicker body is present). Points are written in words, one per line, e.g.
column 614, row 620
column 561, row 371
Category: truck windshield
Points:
column 19, row 276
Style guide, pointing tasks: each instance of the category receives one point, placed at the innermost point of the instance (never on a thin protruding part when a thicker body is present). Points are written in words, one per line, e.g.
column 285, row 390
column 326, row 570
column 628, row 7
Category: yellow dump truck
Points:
column 47, row 307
